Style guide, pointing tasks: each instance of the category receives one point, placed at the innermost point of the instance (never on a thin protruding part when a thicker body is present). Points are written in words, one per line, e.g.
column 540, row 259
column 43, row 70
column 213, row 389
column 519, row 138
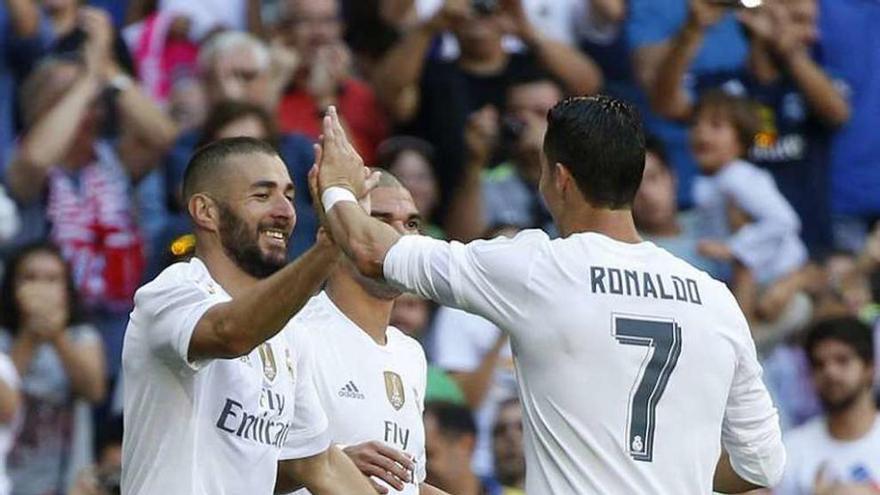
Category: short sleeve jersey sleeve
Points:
column 168, row 309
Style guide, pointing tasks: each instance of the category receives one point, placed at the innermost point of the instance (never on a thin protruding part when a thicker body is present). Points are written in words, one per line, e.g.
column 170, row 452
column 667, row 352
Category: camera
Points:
column 484, row 7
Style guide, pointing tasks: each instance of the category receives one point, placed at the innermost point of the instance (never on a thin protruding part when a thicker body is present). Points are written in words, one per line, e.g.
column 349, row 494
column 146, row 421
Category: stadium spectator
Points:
column 477, row 355
column 74, row 186
column 411, row 160
column 70, row 27
column 450, row 435
column 506, row 195
column 657, row 216
column 10, row 416
column 313, row 30
column 412, row 314
column 654, row 29
column 22, row 43
column 507, row 446
column 417, row 89
column 566, row 21
column 744, row 219
column 847, row 28
column 799, row 105
column 840, row 451
column 59, row 358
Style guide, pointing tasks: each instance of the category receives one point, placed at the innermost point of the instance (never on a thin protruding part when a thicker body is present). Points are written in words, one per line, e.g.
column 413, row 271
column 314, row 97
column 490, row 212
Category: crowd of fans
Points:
column 762, row 168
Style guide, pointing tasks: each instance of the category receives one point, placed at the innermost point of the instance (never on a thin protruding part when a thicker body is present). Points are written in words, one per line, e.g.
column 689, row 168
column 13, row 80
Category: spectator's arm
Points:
column 84, row 365
column 611, row 11
column 25, row 15
column 46, row 142
column 577, row 72
column 398, row 13
column 144, row 117
column 646, row 61
column 818, row 89
column 475, row 384
column 396, row 79
column 254, row 16
column 10, row 397
column 397, row 76
column 466, row 220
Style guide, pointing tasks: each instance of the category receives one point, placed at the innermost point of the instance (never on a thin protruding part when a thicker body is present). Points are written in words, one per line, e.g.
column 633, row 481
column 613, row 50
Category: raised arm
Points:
column 577, row 72
column 48, row 139
column 235, row 328
column 397, row 76
column 667, row 93
column 137, row 109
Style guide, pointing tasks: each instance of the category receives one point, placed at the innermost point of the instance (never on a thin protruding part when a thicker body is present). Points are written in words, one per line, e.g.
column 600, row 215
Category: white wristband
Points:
column 336, row 194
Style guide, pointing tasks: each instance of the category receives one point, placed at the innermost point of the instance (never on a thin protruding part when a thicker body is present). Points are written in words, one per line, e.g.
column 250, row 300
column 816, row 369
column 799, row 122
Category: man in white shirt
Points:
column 637, row 372
column 370, row 377
column 838, row 453
column 215, row 401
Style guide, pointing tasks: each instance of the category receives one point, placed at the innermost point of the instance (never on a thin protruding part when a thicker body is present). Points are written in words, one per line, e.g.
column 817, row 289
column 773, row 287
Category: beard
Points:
column 242, row 245
column 833, row 405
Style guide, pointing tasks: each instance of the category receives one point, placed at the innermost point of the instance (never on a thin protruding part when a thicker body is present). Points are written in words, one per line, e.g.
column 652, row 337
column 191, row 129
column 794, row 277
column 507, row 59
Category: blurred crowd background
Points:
column 763, row 168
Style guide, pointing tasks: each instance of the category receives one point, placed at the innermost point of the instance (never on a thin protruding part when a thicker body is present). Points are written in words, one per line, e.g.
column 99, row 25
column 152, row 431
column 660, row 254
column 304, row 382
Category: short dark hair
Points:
column 206, row 160
column 10, row 314
column 531, row 74
column 390, row 150
column 599, row 139
column 739, row 110
column 454, row 420
column 847, row 330
column 228, row 111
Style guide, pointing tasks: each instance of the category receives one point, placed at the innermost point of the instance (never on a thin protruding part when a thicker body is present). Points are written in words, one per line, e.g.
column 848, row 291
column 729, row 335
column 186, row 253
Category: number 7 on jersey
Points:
column 663, row 340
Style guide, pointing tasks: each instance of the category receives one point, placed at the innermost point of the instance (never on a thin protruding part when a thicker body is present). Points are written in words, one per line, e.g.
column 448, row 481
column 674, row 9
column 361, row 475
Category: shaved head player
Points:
column 215, row 401
column 637, row 372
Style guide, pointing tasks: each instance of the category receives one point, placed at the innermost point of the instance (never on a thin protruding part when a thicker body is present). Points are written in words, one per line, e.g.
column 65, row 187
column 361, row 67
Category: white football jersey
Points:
column 213, row 427
column 370, row 392
column 633, row 367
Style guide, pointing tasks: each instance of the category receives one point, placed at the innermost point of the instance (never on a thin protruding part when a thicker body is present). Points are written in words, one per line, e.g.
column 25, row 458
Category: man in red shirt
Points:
column 313, row 29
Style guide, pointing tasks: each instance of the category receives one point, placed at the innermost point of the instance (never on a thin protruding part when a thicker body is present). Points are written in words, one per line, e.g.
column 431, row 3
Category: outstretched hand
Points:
column 339, row 165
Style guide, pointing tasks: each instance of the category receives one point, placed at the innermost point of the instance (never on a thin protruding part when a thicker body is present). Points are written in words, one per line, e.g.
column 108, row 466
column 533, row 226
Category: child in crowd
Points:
column 744, row 220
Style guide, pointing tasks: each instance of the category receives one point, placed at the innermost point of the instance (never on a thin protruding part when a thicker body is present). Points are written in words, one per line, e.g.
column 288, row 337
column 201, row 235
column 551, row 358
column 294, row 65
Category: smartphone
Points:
column 738, row 4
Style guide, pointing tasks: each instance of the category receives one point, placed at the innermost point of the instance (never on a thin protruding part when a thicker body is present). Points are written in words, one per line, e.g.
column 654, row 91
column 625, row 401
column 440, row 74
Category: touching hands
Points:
column 375, row 459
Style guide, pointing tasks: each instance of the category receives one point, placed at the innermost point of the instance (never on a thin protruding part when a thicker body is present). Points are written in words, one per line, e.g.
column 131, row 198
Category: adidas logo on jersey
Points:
column 351, row 391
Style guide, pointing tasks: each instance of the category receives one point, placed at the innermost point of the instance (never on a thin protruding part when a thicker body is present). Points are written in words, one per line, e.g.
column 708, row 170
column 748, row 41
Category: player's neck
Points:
column 224, row 271
column 854, row 422
column 369, row 313
column 616, row 224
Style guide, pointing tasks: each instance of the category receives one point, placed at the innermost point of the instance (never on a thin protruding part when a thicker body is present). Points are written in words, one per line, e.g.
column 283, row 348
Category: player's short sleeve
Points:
column 309, row 432
column 487, row 278
column 167, row 311
column 750, row 432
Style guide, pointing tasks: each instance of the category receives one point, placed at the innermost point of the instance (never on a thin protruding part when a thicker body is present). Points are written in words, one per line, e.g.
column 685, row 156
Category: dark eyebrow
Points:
column 271, row 184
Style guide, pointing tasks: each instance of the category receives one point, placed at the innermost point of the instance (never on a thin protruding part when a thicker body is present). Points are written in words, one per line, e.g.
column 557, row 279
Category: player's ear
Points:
column 204, row 212
column 562, row 176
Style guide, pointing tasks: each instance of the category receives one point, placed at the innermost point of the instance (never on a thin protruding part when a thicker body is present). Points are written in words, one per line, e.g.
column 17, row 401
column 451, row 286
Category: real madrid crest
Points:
column 394, row 389
column 270, row 369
